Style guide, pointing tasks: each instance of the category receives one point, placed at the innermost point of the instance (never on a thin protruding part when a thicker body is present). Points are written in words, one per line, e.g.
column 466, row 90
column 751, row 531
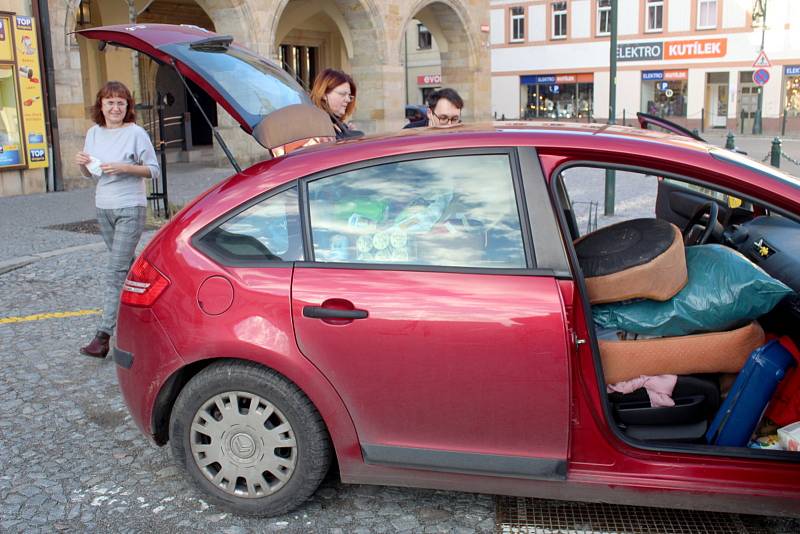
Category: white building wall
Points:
column 600, row 105
column 581, row 19
column 628, row 17
column 678, row 13
column 505, row 96
column 537, row 22
column 696, row 93
column 734, row 14
column 497, row 26
column 629, row 90
column 550, row 57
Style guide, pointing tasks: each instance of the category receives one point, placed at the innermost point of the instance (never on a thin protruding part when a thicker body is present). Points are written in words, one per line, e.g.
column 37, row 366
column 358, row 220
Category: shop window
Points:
column 655, row 15
column 559, row 20
column 603, row 17
column 793, row 96
column 665, row 98
column 517, row 24
column 10, row 137
column 571, row 101
column 706, row 14
column 424, row 40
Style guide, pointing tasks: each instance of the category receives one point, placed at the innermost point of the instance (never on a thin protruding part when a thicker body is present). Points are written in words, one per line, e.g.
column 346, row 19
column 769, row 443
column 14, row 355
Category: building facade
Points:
column 363, row 37
column 695, row 62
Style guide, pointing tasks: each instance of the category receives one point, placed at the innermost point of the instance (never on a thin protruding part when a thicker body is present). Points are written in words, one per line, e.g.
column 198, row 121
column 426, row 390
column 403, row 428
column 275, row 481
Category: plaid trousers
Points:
column 121, row 229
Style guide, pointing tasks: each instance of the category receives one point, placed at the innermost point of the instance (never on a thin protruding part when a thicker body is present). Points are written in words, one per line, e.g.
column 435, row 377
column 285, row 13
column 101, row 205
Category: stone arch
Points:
column 352, row 17
column 460, row 47
column 361, row 25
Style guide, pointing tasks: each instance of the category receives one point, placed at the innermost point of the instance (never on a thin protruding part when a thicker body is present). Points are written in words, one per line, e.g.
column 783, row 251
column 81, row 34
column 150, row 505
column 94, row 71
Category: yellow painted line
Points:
column 54, row 315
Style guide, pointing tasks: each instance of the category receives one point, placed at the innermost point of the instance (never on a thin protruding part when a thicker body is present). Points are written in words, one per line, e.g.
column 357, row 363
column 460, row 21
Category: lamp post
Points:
column 760, row 11
column 611, row 178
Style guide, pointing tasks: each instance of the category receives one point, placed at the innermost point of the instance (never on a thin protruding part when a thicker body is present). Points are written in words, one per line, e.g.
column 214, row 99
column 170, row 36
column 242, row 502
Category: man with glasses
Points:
column 444, row 108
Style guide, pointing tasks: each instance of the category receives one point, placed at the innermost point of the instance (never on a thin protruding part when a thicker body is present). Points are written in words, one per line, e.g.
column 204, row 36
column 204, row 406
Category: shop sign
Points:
column 640, row 51
column 429, row 79
column 30, row 91
column 696, row 49
column 656, row 75
column 792, row 70
column 676, row 74
column 552, row 79
column 536, row 79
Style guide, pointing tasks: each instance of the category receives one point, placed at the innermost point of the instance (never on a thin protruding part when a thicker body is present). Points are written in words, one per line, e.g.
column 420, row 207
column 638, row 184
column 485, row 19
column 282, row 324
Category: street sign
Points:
column 761, row 76
column 663, row 86
column 762, row 60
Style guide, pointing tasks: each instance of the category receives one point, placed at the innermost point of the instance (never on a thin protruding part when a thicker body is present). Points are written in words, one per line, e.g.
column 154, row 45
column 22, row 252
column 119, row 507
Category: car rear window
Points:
column 268, row 231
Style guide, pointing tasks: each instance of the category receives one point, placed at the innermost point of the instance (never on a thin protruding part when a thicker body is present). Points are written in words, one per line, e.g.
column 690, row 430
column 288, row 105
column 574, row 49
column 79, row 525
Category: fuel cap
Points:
column 215, row 295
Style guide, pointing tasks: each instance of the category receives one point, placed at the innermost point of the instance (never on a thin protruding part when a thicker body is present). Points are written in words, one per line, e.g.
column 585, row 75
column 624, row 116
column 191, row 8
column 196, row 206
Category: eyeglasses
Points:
column 444, row 119
column 345, row 95
column 122, row 104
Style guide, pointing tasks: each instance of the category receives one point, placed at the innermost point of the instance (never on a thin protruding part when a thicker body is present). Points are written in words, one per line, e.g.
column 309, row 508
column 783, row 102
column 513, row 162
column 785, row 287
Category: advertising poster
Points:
column 10, row 132
column 30, row 91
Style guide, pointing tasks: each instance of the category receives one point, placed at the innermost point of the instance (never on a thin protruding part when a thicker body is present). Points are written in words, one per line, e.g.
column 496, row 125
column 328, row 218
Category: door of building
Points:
column 748, row 102
column 719, row 105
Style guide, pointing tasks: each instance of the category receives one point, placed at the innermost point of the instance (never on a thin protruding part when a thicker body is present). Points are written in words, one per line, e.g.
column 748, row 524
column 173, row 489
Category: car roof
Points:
column 541, row 135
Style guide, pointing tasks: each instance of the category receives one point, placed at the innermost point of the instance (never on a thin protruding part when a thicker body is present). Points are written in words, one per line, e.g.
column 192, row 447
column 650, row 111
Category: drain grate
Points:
column 519, row 515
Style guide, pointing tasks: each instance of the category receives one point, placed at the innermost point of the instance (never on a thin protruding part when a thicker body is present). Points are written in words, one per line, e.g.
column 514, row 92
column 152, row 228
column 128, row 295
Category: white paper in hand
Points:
column 94, row 167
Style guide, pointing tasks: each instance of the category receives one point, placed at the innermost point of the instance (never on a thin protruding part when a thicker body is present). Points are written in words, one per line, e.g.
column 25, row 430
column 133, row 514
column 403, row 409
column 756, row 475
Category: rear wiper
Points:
column 218, row 43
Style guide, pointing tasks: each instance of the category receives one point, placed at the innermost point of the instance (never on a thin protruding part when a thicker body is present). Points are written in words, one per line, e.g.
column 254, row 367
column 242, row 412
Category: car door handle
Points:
column 321, row 312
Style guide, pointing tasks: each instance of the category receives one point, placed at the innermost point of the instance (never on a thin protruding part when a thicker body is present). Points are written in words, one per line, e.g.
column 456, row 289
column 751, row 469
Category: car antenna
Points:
column 214, row 130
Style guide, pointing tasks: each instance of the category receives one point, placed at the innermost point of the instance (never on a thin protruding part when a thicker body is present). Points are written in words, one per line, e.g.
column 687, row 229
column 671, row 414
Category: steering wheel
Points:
column 709, row 209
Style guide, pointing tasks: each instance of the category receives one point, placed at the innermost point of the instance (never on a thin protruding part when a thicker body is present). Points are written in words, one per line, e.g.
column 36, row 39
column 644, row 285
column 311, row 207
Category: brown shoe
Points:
column 97, row 347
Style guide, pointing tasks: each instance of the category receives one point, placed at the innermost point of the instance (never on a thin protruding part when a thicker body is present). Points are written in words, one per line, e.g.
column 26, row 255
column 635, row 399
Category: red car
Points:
column 413, row 308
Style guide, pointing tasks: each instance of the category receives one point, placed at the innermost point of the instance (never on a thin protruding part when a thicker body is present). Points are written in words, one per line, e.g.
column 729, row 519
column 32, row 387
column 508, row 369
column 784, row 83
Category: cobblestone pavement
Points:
column 72, row 460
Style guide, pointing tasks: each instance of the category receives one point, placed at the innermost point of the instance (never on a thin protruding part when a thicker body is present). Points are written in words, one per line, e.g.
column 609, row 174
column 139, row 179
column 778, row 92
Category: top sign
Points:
column 762, row 60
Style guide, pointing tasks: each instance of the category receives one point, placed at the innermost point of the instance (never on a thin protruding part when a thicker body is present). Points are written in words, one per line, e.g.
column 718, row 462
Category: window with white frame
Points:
column 706, row 14
column 560, row 20
column 517, row 24
column 603, row 17
column 655, row 15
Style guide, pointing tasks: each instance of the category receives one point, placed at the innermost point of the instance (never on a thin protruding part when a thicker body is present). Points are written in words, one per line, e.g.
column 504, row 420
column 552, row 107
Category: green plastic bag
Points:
column 725, row 290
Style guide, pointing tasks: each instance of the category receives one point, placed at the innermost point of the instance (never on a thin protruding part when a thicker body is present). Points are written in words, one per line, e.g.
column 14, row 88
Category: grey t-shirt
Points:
column 127, row 144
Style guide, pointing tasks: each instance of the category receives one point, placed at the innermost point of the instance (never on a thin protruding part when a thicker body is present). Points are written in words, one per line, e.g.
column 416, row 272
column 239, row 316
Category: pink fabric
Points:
column 659, row 388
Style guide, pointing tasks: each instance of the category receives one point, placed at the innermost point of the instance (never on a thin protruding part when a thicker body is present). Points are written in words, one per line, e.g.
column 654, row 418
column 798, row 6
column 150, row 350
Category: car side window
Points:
column 455, row 211
column 267, row 231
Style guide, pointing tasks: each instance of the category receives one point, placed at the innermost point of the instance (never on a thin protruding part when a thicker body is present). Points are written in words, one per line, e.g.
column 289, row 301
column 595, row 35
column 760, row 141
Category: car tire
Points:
column 249, row 439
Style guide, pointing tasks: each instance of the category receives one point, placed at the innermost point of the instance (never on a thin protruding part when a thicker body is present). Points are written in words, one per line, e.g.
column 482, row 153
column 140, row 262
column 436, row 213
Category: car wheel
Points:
column 249, row 438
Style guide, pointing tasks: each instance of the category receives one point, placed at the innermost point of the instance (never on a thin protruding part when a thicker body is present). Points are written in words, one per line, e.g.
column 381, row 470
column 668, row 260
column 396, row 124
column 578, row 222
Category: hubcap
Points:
column 243, row 444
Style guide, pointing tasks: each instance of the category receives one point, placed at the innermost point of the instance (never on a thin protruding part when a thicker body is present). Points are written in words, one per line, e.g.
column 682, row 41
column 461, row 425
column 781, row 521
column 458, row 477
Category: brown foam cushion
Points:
column 660, row 278
column 716, row 352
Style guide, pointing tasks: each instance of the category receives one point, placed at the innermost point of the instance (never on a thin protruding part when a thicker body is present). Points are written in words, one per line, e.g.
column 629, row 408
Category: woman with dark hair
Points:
column 120, row 155
column 335, row 92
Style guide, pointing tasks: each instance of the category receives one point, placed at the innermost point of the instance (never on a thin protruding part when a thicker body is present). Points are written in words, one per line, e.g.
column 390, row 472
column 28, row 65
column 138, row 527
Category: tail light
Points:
column 143, row 285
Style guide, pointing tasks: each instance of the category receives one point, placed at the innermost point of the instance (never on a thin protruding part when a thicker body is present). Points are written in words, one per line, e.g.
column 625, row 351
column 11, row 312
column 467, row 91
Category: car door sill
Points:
column 466, row 462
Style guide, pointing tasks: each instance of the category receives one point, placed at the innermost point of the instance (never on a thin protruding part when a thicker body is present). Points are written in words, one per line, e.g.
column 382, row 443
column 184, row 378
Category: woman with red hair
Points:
column 335, row 92
column 119, row 154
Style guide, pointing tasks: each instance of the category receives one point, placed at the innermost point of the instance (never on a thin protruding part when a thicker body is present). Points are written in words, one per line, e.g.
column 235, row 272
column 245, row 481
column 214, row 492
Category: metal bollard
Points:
column 729, row 142
column 775, row 153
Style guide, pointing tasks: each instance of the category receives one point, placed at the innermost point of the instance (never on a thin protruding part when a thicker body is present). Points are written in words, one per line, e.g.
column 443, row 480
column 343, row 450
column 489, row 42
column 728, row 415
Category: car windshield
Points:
column 253, row 86
column 743, row 161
